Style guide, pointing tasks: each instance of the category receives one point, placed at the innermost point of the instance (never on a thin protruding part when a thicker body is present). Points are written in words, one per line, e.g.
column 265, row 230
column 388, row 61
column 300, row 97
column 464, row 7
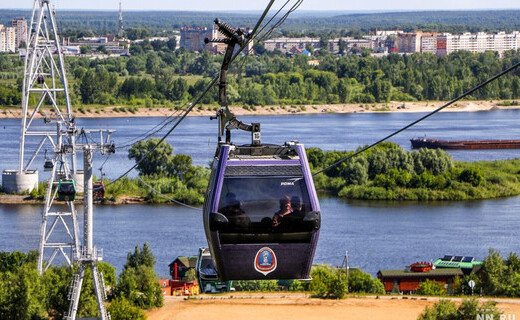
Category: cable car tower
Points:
column 89, row 255
column 45, row 93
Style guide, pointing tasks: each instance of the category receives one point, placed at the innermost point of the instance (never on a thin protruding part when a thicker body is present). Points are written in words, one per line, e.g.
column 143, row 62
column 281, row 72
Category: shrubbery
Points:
column 362, row 282
column 328, row 282
column 256, row 285
column 25, row 295
column 467, row 310
column 388, row 172
column 431, row 288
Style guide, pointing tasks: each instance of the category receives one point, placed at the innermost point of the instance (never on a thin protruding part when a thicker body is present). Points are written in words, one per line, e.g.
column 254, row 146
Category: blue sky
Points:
column 227, row 5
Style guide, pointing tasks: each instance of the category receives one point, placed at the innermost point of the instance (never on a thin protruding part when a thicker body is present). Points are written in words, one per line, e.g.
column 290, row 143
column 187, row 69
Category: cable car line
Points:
column 197, row 101
column 465, row 94
column 166, row 121
column 167, row 198
column 248, row 183
column 169, row 119
column 267, row 33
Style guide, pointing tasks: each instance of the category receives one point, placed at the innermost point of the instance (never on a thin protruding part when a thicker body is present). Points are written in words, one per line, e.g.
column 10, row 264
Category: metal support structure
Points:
column 120, row 25
column 45, row 81
column 89, row 255
column 59, row 227
column 227, row 120
column 346, row 266
column 45, row 92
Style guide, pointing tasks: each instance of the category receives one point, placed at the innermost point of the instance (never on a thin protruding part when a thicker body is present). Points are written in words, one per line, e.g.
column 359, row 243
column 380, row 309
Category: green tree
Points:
column 468, row 310
column 431, row 288
column 328, row 282
column 140, row 286
column 151, row 157
column 122, row 309
column 180, row 165
column 359, row 281
column 442, row 310
column 97, row 83
column 140, row 257
column 135, row 64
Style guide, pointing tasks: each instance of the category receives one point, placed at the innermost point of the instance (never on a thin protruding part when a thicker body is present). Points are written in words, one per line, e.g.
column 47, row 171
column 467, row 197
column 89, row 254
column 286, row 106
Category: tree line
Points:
column 90, row 23
column 155, row 75
column 388, row 172
column 25, row 295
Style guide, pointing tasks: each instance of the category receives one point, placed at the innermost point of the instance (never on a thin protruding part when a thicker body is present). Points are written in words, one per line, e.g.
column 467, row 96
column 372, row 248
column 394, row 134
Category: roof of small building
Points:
column 409, row 274
column 190, row 262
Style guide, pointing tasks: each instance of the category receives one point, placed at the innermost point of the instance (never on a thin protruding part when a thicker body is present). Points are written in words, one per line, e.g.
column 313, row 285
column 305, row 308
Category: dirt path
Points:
column 298, row 306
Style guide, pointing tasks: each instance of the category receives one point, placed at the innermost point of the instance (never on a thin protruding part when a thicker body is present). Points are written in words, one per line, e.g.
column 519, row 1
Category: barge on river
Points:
column 464, row 144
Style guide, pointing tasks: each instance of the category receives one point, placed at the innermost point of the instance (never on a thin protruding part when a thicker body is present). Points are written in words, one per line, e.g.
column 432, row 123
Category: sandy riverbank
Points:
column 298, row 306
column 115, row 111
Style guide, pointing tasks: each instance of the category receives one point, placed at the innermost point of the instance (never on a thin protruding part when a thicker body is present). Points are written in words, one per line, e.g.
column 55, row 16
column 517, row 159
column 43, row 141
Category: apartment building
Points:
column 409, row 42
column 20, row 26
column 192, row 38
column 7, row 39
column 285, row 44
column 481, row 42
column 429, row 43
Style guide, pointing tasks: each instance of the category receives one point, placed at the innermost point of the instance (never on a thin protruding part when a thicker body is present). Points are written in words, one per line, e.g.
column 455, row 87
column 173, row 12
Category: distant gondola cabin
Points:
column 66, row 190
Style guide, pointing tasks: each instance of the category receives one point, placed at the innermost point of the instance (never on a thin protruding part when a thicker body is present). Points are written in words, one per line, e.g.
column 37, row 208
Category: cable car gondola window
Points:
column 251, row 204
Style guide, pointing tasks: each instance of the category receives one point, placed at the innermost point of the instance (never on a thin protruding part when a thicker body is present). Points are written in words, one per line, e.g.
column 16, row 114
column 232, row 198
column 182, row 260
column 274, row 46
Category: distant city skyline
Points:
column 228, row 5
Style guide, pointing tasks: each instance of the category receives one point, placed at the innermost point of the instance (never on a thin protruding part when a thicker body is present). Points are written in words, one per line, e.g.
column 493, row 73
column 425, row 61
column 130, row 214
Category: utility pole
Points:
column 345, row 265
column 89, row 254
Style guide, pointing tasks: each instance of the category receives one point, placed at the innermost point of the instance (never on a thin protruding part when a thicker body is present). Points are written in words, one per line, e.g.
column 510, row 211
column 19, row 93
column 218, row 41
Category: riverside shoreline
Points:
column 426, row 106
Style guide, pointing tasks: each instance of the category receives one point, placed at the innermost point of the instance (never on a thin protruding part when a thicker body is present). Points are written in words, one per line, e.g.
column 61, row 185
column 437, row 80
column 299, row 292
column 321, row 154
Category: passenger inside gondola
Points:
column 285, row 211
column 232, row 209
column 297, row 206
column 250, row 204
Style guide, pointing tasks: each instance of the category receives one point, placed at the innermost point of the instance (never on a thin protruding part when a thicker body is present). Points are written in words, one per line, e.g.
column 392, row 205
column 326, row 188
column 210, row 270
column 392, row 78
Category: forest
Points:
column 73, row 23
column 154, row 76
column 388, row 172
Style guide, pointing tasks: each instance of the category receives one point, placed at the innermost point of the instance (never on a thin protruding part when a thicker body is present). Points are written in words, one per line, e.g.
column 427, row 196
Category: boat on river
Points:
column 418, row 143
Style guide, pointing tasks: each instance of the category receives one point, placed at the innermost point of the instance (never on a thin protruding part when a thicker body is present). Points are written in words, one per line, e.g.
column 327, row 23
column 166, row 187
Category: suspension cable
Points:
column 151, row 188
column 198, row 100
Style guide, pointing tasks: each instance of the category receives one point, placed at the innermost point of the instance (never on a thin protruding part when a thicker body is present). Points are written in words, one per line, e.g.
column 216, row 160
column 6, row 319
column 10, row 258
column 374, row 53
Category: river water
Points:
column 377, row 235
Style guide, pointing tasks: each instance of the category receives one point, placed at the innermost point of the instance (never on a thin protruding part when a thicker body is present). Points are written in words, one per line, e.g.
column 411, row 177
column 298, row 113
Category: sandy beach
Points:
column 271, row 306
column 428, row 106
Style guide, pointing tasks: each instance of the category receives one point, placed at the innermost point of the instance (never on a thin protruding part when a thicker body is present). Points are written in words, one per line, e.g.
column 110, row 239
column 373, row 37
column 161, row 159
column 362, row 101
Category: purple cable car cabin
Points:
column 248, row 186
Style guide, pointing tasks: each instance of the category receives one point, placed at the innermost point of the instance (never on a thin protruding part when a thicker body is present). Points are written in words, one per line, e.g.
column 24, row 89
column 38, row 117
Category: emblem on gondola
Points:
column 265, row 261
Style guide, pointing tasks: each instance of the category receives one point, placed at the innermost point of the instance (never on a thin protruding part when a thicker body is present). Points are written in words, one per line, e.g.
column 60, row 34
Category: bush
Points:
column 472, row 176
column 328, row 282
column 362, row 282
column 122, row 309
column 256, row 285
column 431, row 288
column 468, row 310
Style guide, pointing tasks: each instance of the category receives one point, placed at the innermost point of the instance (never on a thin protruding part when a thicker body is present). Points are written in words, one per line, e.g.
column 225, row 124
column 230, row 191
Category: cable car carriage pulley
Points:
column 261, row 212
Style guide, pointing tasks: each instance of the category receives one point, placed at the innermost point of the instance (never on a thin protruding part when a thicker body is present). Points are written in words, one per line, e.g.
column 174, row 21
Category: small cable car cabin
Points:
column 262, row 215
column 66, row 190
column 98, row 190
column 48, row 165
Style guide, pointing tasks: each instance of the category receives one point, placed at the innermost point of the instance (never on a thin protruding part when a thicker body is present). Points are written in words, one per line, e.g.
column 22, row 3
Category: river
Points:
column 377, row 235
